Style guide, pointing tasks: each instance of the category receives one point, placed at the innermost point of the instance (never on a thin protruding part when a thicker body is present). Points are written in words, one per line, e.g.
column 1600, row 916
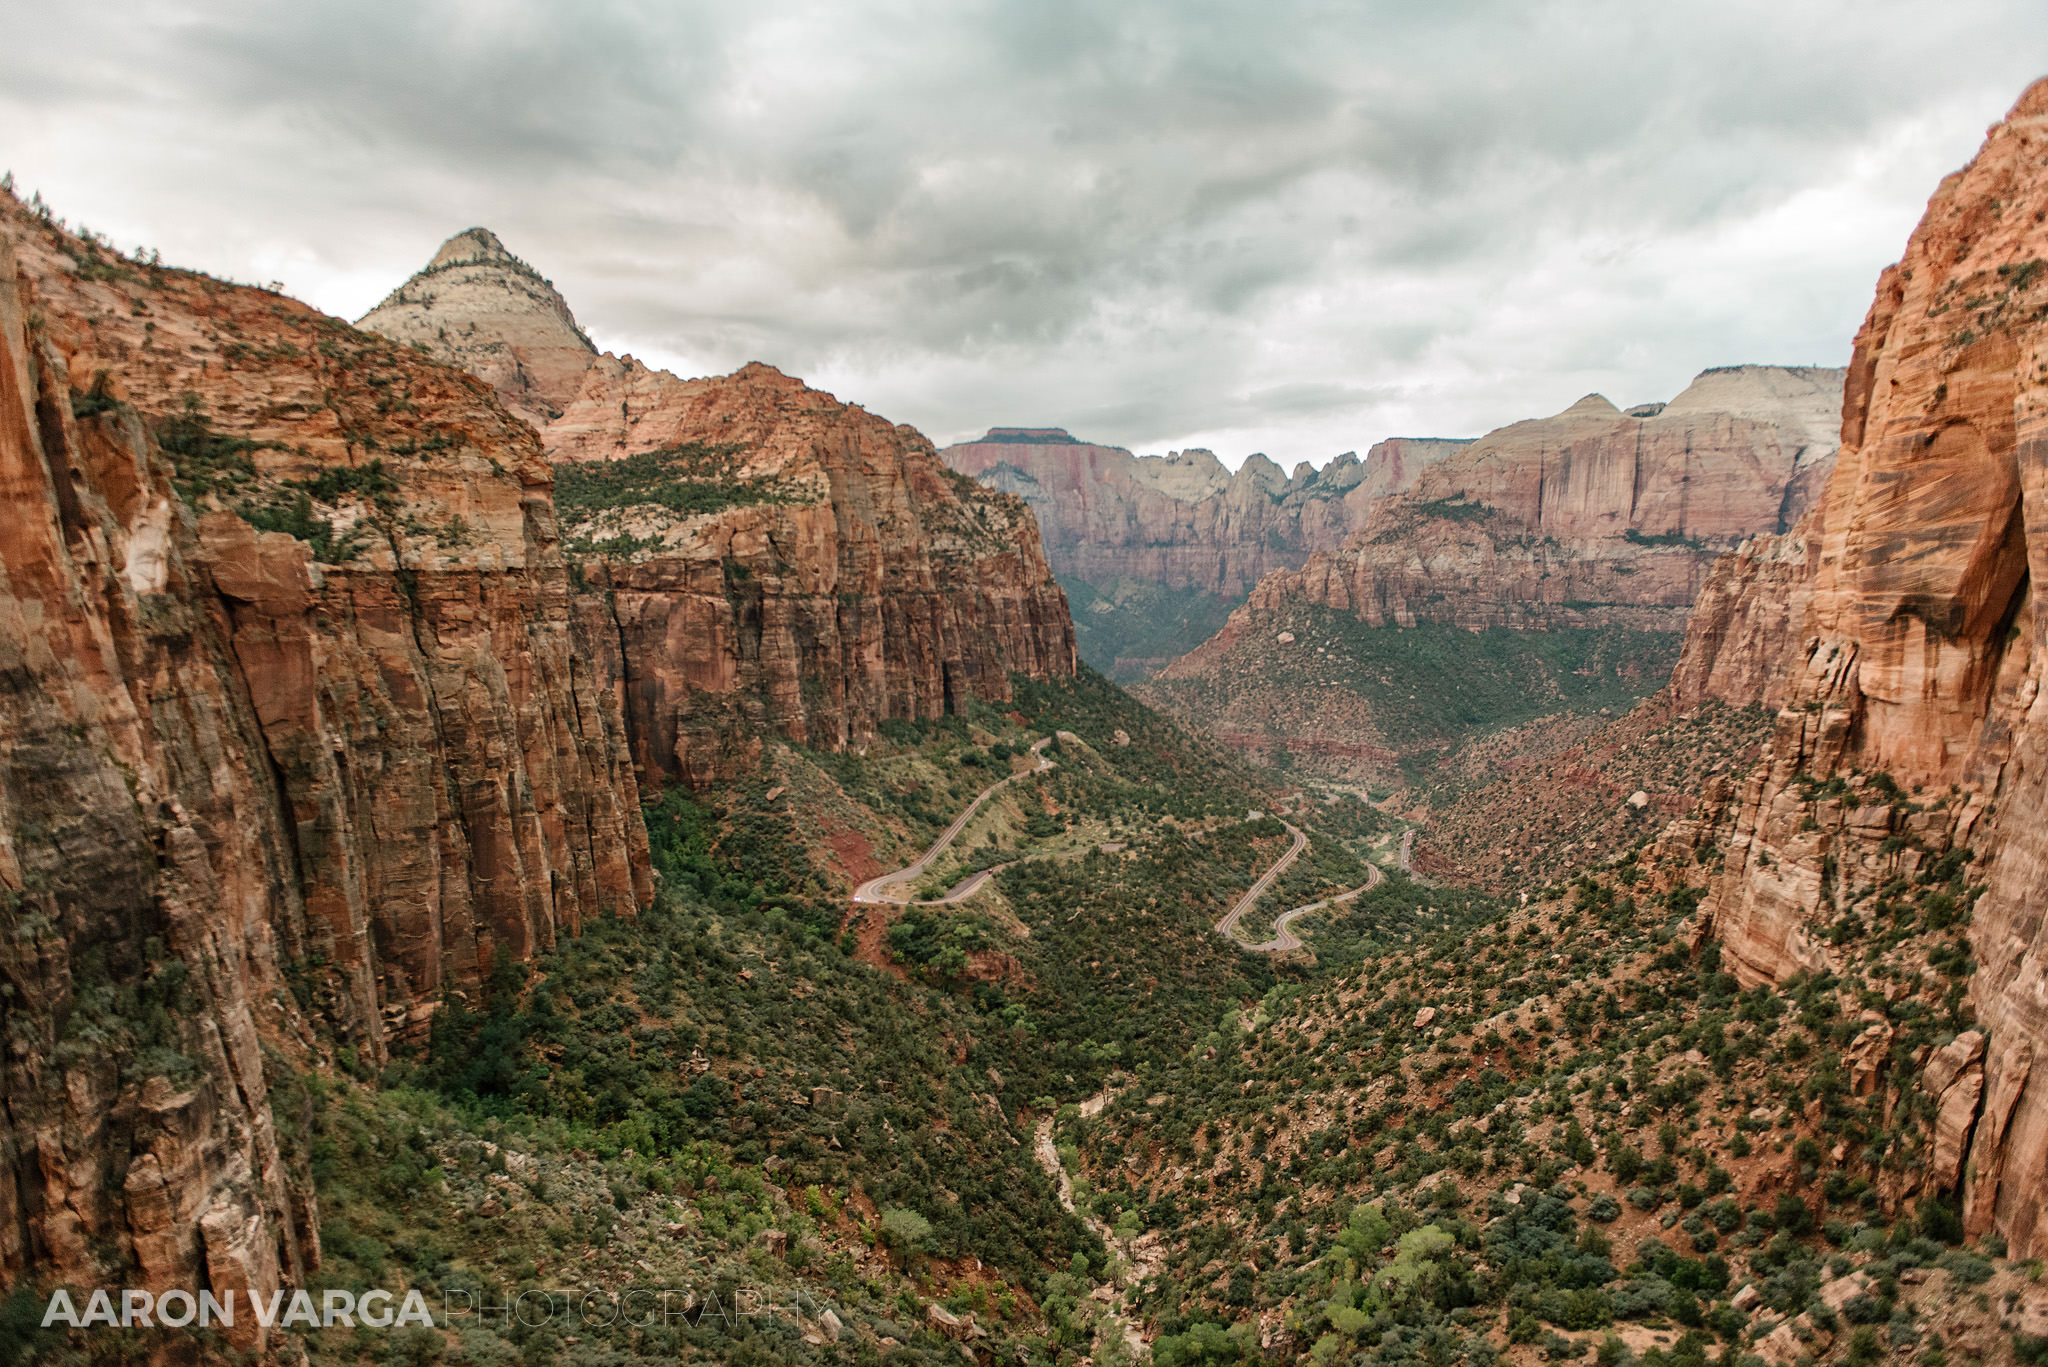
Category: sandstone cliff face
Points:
column 261, row 792
column 481, row 308
column 858, row 581
column 1745, row 632
column 825, row 572
column 1589, row 518
column 1182, row 520
column 1919, row 656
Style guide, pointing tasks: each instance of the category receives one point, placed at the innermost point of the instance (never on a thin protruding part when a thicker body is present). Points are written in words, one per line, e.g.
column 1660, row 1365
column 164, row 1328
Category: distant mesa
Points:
column 1031, row 436
column 1591, row 520
column 1154, row 551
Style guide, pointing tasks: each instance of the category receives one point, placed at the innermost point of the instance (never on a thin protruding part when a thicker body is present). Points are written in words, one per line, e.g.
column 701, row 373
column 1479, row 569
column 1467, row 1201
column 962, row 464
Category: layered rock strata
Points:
column 761, row 558
column 1183, row 520
column 478, row 307
column 1915, row 731
column 1594, row 517
column 297, row 737
column 851, row 578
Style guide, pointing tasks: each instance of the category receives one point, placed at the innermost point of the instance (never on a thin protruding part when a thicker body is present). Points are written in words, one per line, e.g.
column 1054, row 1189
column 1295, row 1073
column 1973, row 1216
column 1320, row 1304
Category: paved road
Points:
column 1283, row 938
column 1227, row 927
column 891, row 888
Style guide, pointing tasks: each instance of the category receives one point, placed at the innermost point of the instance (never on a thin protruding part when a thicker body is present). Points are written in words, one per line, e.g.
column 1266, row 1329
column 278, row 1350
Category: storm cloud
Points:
column 1293, row 226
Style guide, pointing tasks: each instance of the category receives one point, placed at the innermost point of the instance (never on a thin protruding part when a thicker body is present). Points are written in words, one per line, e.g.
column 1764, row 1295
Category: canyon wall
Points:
column 316, row 707
column 1183, row 520
column 1593, row 517
column 297, row 735
column 759, row 558
column 1155, row 551
column 1744, row 634
column 1595, row 529
column 1914, row 738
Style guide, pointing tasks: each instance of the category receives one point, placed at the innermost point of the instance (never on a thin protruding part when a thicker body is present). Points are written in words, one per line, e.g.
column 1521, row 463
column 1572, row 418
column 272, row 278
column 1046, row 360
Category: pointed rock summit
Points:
column 1592, row 406
column 478, row 306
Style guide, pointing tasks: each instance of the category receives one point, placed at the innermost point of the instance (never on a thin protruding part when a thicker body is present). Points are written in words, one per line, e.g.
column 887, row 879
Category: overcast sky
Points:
column 1293, row 226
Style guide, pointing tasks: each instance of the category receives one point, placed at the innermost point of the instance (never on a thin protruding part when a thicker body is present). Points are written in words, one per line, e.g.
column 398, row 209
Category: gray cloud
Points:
column 1295, row 226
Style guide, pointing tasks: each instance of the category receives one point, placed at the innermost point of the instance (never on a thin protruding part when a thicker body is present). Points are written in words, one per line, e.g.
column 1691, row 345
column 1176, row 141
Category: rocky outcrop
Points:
column 1591, row 518
column 1915, row 738
column 1597, row 526
column 481, row 308
column 834, row 576
column 297, row 736
column 769, row 560
column 1744, row 634
column 1182, row 520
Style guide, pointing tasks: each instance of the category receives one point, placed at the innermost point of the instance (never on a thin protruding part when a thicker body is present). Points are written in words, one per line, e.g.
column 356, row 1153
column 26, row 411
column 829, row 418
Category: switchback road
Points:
column 1283, row 938
column 893, row 887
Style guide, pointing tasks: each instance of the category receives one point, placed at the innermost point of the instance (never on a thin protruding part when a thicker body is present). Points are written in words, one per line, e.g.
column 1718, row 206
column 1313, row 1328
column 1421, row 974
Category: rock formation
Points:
column 298, row 731
column 781, row 562
column 1183, row 520
column 481, row 308
column 867, row 582
column 1915, row 735
column 1597, row 523
column 1593, row 517
column 1744, row 632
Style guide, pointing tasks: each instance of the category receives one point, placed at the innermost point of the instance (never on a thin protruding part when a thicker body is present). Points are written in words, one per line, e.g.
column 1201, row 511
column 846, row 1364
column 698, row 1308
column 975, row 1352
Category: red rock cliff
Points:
column 261, row 791
column 1183, row 521
column 827, row 574
column 1919, row 658
column 1589, row 518
column 863, row 581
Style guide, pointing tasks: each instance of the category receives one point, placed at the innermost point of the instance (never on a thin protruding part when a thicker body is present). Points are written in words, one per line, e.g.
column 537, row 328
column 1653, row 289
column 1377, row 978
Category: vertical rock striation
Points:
column 296, row 736
column 1593, row 517
column 1917, row 653
column 1597, row 527
column 1155, row 551
column 845, row 578
column 758, row 557
column 1182, row 520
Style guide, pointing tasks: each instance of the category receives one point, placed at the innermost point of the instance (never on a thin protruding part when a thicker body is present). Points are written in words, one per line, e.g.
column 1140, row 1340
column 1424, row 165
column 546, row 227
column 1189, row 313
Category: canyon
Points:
column 436, row 755
column 1141, row 542
column 321, row 708
column 262, row 765
column 1596, row 526
column 1897, row 626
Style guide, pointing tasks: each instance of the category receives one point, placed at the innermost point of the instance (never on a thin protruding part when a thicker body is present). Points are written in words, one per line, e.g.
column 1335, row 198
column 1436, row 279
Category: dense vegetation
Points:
column 1130, row 629
column 1420, row 688
column 1565, row 1129
column 694, row 477
column 740, row 1089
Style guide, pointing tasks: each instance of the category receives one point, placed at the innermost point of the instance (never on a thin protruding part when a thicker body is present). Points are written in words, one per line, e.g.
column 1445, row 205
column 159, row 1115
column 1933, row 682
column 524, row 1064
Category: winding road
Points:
column 884, row 888
column 1227, row 927
column 891, row 889
column 1285, row 939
